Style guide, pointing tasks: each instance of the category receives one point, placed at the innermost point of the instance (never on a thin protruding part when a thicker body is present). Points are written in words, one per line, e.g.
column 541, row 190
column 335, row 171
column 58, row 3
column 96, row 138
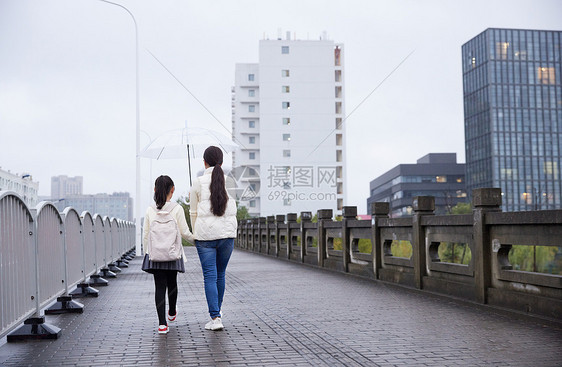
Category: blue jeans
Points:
column 214, row 256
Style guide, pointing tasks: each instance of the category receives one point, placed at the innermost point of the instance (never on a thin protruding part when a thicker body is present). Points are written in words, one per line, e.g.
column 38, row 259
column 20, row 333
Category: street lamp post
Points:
column 138, row 188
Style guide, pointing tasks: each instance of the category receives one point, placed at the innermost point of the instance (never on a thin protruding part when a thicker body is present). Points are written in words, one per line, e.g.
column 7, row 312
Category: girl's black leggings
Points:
column 165, row 279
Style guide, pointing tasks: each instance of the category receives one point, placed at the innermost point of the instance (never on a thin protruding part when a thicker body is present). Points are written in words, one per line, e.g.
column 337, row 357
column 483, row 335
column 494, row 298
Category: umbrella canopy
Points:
column 174, row 144
column 187, row 143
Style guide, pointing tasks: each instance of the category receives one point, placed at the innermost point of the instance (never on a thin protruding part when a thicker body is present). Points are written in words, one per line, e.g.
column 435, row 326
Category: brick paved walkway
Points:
column 280, row 313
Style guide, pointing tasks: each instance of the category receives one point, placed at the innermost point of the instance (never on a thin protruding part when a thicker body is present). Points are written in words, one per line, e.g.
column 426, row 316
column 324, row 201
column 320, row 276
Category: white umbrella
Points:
column 186, row 143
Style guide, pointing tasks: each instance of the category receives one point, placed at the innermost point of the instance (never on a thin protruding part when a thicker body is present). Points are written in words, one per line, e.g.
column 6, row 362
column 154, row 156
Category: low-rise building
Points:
column 22, row 184
column 435, row 174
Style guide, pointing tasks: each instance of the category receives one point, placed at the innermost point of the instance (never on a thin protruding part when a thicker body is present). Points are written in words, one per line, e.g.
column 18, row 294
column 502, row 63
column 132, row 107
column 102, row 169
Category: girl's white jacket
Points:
column 207, row 226
column 177, row 213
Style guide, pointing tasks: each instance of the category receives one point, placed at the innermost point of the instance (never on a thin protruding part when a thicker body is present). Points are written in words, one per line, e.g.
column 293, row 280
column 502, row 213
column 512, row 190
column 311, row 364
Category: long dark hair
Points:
column 162, row 187
column 219, row 197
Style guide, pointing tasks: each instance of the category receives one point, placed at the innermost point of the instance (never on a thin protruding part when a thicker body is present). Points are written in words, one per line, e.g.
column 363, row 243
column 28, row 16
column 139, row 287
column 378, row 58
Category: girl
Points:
column 165, row 272
column 213, row 219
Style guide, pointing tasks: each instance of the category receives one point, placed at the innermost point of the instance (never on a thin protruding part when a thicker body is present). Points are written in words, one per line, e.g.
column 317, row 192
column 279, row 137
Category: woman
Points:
column 213, row 219
column 165, row 272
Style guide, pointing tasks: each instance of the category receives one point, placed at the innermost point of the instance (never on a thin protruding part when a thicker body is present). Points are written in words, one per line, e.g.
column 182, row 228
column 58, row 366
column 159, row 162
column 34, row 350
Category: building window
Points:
column 251, row 93
column 286, row 121
column 251, row 108
column 546, row 75
column 251, row 172
column 340, row 204
column 286, row 153
column 286, row 137
column 252, row 139
column 441, row 178
column 252, row 155
column 338, row 107
column 285, row 73
column 338, row 92
column 252, row 203
column 287, row 202
column 284, row 49
column 286, row 105
column 337, row 56
column 339, row 139
column 285, row 89
column 251, row 77
column 251, row 124
column 338, row 156
column 338, row 123
column 340, row 188
column 338, row 75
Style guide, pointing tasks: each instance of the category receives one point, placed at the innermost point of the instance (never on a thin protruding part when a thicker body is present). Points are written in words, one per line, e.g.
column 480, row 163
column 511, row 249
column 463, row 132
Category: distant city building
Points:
column 513, row 116
column 287, row 113
column 435, row 174
column 22, row 184
column 63, row 186
column 118, row 205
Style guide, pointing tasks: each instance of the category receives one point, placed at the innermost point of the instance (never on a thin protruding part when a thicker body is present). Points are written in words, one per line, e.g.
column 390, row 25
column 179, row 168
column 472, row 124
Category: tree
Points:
column 184, row 202
column 462, row 208
column 242, row 213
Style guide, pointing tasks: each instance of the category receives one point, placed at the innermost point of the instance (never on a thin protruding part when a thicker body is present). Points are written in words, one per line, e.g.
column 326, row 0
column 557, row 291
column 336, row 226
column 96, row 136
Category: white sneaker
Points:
column 214, row 325
column 163, row 329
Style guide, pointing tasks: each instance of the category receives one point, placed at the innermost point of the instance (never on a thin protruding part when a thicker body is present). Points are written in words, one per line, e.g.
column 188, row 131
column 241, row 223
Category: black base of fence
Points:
column 97, row 281
column 65, row 304
column 122, row 264
column 84, row 290
column 114, row 268
column 106, row 273
column 34, row 328
column 129, row 257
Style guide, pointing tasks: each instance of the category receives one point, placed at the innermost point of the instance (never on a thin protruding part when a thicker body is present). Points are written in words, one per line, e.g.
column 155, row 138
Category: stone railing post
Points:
column 269, row 227
column 422, row 205
column 348, row 213
column 291, row 218
column 378, row 211
column 279, row 219
column 305, row 217
column 323, row 216
column 483, row 200
column 255, row 230
column 262, row 226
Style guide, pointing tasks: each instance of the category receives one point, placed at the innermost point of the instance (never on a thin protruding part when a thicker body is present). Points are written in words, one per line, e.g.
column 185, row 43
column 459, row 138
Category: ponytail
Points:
column 162, row 187
column 219, row 197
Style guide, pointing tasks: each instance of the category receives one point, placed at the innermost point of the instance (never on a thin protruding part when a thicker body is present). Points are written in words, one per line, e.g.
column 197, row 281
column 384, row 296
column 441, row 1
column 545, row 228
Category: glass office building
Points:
column 513, row 116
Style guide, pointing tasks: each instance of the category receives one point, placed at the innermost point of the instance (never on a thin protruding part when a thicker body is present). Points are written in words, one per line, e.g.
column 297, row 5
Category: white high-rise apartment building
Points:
column 287, row 118
column 63, row 186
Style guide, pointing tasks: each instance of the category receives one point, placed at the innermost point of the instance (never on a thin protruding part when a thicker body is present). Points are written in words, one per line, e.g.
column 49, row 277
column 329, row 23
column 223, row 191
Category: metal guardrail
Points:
column 487, row 236
column 44, row 254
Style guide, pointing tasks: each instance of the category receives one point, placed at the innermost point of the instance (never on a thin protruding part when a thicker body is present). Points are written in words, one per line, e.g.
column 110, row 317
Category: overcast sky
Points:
column 67, row 78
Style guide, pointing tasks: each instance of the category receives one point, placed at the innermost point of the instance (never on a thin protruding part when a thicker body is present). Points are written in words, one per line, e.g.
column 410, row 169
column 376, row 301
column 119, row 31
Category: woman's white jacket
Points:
column 207, row 226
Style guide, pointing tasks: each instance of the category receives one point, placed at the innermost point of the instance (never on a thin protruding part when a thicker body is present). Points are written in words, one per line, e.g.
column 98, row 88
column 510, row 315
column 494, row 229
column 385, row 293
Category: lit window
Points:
column 251, row 124
column 252, row 139
column 285, row 73
column 441, row 178
column 501, row 50
column 286, row 105
column 252, row 155
column 286, row 121
column 286, row 153
column 286, row 137
column 546, row 75
column 251, row 93
column 251, row 108
column 284, row 49
column 251, row 77
column 285, row 89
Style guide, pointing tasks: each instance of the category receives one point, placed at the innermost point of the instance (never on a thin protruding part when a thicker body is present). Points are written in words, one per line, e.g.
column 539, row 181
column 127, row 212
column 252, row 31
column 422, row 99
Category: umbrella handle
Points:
column 189, row 165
